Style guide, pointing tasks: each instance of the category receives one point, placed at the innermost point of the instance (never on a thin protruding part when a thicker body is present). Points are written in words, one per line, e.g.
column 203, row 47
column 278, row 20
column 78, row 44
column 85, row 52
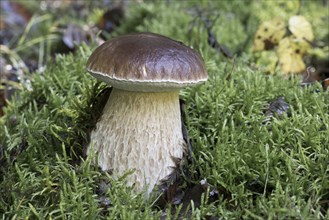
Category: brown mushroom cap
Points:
column 146, row 62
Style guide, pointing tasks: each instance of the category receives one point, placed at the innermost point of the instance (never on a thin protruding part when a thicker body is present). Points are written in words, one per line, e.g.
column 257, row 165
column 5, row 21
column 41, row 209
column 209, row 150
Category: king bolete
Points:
column 140, row 127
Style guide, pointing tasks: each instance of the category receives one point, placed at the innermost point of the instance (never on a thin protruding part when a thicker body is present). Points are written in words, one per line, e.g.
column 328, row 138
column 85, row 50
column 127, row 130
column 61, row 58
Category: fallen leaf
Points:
column 290, row 53
column 269, row 34
column 301, row 28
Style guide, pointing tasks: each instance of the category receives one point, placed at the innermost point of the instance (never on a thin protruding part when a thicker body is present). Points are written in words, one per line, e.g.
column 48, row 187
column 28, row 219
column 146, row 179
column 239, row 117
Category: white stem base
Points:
column 140, row 131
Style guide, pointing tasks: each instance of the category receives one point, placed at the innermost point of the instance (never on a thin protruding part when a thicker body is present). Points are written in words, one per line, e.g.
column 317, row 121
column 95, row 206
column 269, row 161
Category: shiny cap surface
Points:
column 146, row 62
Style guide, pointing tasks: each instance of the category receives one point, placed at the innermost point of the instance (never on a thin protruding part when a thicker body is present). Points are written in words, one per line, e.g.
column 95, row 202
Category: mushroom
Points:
column 140, row 128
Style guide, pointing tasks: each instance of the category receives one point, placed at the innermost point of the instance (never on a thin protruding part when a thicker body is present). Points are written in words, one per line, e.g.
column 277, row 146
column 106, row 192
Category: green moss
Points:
column 272, row 170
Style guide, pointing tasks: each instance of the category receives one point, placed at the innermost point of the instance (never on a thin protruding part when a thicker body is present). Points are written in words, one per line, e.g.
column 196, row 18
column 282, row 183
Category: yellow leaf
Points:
column 269, row 34
column 301, row 28
column 290, row 53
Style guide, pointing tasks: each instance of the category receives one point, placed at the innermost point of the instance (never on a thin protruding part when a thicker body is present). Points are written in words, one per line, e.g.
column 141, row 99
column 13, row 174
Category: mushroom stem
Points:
column 140, row 131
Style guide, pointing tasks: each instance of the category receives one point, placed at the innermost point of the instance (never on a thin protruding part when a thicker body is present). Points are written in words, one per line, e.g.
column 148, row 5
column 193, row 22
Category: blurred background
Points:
column 32, row 33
